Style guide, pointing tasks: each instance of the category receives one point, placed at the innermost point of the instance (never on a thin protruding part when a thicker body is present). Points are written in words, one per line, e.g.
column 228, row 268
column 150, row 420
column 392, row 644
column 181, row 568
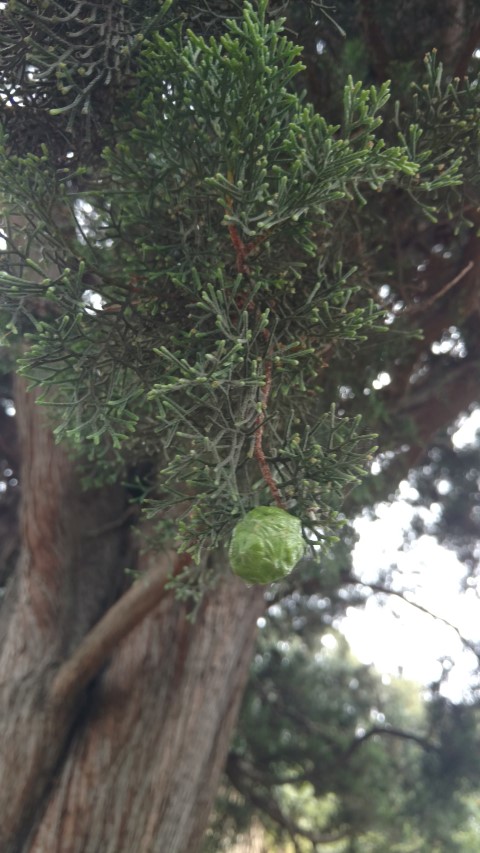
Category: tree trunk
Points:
column 108, row 745
column 144, row 764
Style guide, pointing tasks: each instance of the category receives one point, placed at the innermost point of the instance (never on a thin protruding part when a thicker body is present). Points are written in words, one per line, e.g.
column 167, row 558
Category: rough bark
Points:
column 65, row 577
column 9, row 497
column 143, row 767
column 131, row 759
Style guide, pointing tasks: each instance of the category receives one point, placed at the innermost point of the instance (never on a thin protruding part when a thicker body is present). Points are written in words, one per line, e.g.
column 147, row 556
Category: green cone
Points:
column 266, row 545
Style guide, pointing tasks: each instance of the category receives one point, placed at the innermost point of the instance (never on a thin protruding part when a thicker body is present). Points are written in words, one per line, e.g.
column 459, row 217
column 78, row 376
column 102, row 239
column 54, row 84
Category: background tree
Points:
column 330, row 756
column 206, row 277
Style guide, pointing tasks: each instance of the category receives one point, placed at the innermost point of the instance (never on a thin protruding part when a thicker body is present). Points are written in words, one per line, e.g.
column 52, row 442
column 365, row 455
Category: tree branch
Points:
column 418, row 307
column 430, row 407
column 376, row 587
column 281, row 708
column 267, row 779
column 101, row 641
column 269, row 806
column 391, row 732
column 450, row 302
column 258, row 447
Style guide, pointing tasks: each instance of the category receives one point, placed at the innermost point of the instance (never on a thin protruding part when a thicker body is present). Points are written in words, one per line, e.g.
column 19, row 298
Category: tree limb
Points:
column 265, row 778
column 391, row 732
column 270, row 807
column 376, row 587
column 418, row 307
column 99, row 644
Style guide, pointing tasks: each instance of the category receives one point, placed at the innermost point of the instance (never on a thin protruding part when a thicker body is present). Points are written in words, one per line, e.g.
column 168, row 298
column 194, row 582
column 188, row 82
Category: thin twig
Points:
column 375, row 587
column 258, row 447
column 242, row 250
column 450, row 284
column 112, row 525
column 239, row 247
column 417, row 308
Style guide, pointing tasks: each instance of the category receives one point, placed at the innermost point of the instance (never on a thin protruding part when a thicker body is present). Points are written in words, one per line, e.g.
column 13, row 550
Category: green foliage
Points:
column 208, row 279
column 73, row 55
column 325, row 749
column 440, row 131
column 207, row 263
column 301, row 747
column 449, row 479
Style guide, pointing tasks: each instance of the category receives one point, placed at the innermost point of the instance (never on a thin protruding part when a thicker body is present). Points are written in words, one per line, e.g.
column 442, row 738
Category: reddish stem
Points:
column 242, row 250
column 258, row 448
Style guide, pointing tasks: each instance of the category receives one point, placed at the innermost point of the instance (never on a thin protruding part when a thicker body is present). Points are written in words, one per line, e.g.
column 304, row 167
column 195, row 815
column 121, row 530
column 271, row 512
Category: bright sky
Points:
column 397, row 637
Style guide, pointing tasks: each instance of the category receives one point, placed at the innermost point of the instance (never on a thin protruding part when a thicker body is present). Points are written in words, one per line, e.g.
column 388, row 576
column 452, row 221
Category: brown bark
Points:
column 127, row 758
column 9, row 498
column 379, row 57
column 143, row 768
column 455, row 33
column 64, row 579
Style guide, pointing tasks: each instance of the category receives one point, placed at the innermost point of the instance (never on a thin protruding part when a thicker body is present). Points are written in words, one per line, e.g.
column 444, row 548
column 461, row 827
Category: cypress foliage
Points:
column 186, row 292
